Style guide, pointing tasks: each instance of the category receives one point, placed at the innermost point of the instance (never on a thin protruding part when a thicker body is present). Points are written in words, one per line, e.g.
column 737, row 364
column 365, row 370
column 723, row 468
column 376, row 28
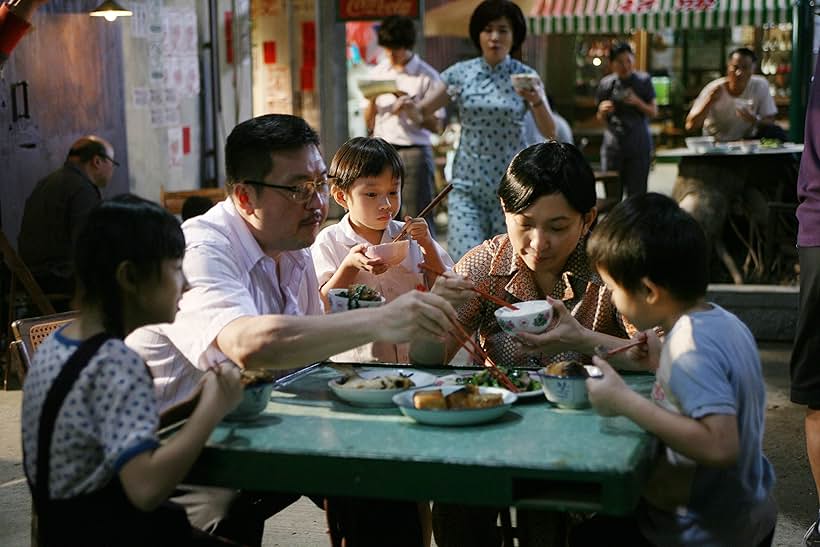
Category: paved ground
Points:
column 302, row 525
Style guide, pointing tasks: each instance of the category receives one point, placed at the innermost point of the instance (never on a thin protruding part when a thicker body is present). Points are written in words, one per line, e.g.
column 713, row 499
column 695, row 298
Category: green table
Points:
column 534, row 457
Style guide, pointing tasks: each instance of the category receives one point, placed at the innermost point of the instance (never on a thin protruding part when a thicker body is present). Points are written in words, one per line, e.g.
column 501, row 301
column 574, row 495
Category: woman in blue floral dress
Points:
column 492, row 113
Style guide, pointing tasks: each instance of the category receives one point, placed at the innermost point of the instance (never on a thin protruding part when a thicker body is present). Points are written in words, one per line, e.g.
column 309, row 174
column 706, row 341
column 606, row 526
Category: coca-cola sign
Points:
column 360, row 10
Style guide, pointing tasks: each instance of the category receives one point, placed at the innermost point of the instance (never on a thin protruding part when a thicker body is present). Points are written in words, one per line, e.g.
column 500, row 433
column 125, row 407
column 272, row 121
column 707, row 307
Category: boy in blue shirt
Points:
column 711, row 485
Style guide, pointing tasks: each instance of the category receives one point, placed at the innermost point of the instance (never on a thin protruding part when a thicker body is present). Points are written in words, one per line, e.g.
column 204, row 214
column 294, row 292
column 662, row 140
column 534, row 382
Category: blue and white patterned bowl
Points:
column 254, row 400
column 568, row 391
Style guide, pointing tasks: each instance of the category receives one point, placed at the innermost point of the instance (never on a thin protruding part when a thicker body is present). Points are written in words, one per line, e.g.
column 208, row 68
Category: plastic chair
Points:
column 29, row 334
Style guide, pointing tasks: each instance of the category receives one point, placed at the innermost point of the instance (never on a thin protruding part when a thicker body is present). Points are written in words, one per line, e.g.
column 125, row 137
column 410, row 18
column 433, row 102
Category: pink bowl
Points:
column 390, row 253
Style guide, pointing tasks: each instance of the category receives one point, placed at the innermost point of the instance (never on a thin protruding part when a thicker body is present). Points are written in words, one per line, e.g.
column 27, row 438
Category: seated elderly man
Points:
column 737, row 106
column 254, row 299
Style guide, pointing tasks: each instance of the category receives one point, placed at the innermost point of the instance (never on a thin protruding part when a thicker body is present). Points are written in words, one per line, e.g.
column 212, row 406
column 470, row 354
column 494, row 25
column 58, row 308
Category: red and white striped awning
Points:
column 594, row 16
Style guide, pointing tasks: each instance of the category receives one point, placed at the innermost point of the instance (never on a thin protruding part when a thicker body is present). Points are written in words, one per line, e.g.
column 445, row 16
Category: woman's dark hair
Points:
column 125, row 228
column 397, row 32
column 618, row 48
column 491, row 10
column 544, row 169
column 650, row 236
column 249, row 147
column 364, row 157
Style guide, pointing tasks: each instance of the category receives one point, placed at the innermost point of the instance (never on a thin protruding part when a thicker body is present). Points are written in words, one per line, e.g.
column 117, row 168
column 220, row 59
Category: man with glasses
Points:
column 56, row 209
column 254, row 299
column 737, row 106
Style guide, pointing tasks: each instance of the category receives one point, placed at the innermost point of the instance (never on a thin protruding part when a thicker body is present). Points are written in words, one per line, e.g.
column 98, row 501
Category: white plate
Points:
column 379, row 397
column 462, row 416
column 453, row 380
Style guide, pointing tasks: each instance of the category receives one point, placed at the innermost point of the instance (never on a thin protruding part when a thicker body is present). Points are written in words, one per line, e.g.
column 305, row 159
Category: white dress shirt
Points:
column 230, row 277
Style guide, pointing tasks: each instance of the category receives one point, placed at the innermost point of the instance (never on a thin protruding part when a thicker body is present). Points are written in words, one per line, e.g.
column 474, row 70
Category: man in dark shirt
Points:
column 56, row 209
column 626, row 103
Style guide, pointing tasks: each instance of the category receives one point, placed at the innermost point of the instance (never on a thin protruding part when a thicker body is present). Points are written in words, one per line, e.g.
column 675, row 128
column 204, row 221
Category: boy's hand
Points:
column 647, row 354
column 356, row 259
column 221, row 388
column 564, row 333
column 417, row 229
column 454, row 288
column 606, row 393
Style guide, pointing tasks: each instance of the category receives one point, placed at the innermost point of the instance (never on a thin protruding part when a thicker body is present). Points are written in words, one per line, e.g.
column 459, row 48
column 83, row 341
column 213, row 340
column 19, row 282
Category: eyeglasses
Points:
column 112, row 160
column 303, row 193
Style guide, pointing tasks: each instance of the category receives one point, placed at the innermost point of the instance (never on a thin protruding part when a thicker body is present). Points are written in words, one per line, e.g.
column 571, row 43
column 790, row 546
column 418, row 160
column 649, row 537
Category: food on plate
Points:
column 357, row 293
column 770, row 143
column 429, row 400
column 387, row 381
column 255, row 377
column 567, row 369
column 520, row 379
column 468, row 397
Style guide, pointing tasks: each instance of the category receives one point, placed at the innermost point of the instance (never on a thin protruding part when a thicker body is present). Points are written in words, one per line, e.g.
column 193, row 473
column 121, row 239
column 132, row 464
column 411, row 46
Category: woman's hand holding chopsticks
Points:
column 454, row 288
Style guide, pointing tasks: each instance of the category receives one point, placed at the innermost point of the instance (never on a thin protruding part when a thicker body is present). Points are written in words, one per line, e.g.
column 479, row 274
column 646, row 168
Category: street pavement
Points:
column 303, row 525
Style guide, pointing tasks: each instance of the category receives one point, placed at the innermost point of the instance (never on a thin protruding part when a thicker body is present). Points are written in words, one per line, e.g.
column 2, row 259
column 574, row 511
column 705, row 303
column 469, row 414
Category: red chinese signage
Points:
column 695, row 5
column 362, row 10
column 636, row 6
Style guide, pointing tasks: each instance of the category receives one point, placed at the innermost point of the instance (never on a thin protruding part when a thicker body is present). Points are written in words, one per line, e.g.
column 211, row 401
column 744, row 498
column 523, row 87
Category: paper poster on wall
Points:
column 156, row 97
column 156, row 64
column 170, row 97
column 190, row 70
column 140, row 97
column 174, row 147
column 172, row 116
column 157, row 117
column 139, row 20
column 188, row 44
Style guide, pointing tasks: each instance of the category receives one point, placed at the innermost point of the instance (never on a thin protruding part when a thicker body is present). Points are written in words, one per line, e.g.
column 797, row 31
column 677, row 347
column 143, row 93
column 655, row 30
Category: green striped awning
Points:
column 594, row 16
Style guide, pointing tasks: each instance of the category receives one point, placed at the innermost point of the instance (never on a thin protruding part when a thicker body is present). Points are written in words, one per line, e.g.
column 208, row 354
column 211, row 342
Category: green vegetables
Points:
column 520, row 378
column 362, row 293
column 771, row 143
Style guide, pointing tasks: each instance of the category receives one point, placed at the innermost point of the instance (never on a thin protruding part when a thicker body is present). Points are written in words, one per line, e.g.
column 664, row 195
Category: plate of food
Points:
column 527, row 382
column 455, row 405
column 377, row 386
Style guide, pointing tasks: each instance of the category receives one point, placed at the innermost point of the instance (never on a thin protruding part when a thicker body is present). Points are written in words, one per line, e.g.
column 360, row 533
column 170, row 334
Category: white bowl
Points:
column 531, row 316
column 700, row 144
column 568, row 391
column 390, row 253
column 379, row 397
column 524, row 80
column 341, row 303
column 254, row 400
column 456, row 416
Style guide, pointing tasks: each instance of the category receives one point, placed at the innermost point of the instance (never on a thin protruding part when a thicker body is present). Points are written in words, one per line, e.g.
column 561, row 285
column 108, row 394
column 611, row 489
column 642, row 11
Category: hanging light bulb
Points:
column 110, row 10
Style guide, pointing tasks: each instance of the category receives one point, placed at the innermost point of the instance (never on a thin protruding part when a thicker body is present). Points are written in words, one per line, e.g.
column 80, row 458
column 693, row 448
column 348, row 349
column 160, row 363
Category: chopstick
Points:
column 477, row 353
column 602, row 352
column 484, row 294
column 426, row 210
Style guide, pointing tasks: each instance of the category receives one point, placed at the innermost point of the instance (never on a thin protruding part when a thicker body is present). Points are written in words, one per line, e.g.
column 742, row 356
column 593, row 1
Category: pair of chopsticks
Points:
column 479, row 355
column 604, row 353
column 484, row 294
column 424, row 211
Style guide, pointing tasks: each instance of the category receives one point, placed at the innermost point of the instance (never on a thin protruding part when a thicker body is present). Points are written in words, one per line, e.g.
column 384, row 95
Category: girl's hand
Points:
column 564, row 333
column 221, row 388
column 418, row 230
column 454, row 288
column 405, row 104
column 607, row 393
column 356, row 259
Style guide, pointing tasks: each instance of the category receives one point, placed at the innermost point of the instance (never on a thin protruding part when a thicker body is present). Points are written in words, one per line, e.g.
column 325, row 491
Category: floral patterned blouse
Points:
column 494, row 267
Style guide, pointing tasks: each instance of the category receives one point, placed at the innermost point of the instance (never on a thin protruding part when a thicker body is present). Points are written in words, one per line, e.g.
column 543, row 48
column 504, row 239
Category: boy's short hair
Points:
column 649, row 235
column 397, row 32
column 364, row 157
column 490, row 10
column 743, row 52
column 544, row 169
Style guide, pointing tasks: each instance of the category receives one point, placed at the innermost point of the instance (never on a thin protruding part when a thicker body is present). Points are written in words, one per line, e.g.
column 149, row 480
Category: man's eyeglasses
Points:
column 303, row 193
column 112, row 160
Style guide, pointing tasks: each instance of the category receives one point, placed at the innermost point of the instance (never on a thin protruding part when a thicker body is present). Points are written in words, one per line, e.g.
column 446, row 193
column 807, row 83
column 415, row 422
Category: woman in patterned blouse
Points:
column 491, row 112
column 548, row 199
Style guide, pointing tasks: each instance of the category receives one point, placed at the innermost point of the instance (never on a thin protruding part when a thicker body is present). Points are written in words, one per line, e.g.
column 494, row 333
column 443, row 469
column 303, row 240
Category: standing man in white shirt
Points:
column 390, row 116
column 254, row 297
